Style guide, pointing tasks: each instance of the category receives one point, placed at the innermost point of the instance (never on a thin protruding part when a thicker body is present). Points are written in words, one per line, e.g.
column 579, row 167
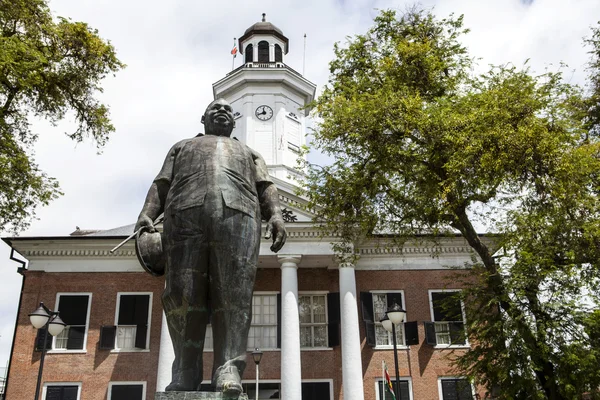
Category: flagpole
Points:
column 382, row 396
column 234, row 54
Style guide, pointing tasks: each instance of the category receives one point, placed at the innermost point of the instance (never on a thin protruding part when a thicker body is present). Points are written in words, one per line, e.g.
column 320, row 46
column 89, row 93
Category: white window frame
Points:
column 121, row 383
column 264, row 294
column 46, row 384
column 400, row 346
column 443, row 378
column 435, row 323
column 256, row 293
column 87, row 322
column 402, row 378
column 117, row 308
column 313, row 324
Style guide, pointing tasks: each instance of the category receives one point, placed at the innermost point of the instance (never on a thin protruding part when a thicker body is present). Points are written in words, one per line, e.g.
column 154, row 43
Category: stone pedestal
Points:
column 196, row 396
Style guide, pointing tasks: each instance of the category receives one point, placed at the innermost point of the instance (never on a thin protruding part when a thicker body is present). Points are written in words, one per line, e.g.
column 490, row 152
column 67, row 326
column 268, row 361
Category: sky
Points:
column 175, row 50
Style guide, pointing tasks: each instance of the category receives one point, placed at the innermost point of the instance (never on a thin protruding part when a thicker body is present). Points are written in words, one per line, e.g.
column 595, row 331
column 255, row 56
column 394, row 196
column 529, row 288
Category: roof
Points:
column 263, row 28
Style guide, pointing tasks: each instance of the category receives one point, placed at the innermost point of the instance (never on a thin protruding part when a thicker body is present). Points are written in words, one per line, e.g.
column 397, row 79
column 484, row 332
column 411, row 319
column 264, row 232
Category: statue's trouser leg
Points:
column 233, row 261
column 185, row 299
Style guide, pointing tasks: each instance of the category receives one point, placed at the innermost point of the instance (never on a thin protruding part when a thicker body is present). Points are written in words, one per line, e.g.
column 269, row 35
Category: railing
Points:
column 277, row 64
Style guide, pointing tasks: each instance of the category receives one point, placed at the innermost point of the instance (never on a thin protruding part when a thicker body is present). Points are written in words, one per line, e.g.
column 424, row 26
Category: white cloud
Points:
column 175, row 51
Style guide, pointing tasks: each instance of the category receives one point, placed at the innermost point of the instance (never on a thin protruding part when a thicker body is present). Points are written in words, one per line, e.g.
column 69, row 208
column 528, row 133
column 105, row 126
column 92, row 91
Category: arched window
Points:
column 278, row 53
column 248, row 57
column 263, row 51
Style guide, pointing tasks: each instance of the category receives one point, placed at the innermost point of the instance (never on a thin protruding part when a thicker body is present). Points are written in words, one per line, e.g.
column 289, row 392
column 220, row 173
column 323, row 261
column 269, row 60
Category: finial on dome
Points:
column 264, row 17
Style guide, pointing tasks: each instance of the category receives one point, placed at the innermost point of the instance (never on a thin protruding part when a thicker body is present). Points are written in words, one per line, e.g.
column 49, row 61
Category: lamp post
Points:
column 48, row 319
column 257, row 355
column 394, row 316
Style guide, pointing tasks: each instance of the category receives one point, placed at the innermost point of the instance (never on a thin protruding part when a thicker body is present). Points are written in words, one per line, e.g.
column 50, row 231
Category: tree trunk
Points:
column 545, row 372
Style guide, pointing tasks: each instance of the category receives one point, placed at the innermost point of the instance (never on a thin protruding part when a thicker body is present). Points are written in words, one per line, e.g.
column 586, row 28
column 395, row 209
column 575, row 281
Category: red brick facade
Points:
column 95, row 368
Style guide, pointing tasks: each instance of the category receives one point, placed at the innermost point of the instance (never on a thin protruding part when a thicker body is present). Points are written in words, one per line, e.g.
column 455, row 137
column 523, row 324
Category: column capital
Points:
column 347, row 264
column 289, row 260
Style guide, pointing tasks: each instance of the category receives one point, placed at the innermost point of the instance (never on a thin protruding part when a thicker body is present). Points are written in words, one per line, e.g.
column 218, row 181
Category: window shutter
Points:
column 141, row 309
column 141, row 332
column 430, row 333
column 394, row 298
column 366, row 301
column 70, row 392
column 333, row 314
column 39, row 340
column 446, row 306
column 457, row 333
column 107, row 337
column 411, row 333
column 76, row 338
column 449, row 389
column 278, row 320
column 54, row 393
column 126, row 392
column 315, row 391
column 404, row 393
column 73, row 309
column 126, row 310
column 141, row 320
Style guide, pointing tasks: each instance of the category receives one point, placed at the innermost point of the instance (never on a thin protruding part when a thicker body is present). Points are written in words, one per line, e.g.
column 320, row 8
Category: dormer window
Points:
column 248, row 57
column 263, row 51
column 278, row 53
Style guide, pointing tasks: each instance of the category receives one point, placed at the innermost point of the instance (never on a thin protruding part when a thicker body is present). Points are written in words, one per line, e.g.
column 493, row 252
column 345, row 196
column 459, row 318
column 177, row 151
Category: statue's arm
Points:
column 269, row 204
column 154, row 205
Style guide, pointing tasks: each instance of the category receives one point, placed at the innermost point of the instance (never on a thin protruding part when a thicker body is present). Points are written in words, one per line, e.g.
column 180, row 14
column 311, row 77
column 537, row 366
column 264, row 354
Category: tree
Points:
column 47, row 69
column 422, row 144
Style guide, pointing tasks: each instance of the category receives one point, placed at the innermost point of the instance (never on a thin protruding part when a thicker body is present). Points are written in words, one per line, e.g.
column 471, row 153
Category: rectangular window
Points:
column 61, row 392
column 447, row 327
column 126, row 390
column 381, row 303
column 263, row 328
column 404, row 393
column 132, row 321
column 263, row 331
column 74, row 311
column 455, row 389
column 312, row 310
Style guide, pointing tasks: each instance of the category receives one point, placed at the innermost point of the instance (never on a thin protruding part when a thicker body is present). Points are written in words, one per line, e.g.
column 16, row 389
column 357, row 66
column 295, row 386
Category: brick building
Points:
column 316, row 320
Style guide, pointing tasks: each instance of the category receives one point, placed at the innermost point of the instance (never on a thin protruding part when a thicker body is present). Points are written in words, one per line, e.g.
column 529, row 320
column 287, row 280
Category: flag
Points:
column 388, row 382
column 234, row 51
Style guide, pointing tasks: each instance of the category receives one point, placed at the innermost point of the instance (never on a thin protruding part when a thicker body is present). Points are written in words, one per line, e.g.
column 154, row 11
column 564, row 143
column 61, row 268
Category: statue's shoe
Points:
column 228, row 380
column 183, row 381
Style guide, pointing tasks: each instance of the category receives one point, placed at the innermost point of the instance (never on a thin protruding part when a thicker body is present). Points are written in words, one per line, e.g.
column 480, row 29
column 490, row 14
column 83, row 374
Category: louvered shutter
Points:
column 333, row 314
column 366, row 301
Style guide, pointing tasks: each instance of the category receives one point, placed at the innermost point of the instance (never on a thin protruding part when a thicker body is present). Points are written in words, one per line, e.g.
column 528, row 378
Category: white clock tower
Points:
column 266, row 96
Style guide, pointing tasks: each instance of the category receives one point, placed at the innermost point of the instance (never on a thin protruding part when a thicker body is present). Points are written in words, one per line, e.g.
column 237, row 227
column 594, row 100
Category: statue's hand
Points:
column 276, row 229
column 145, row 222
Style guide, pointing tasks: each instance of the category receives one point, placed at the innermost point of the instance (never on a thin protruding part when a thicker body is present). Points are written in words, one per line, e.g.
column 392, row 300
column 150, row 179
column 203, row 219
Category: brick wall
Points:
column 96, row 368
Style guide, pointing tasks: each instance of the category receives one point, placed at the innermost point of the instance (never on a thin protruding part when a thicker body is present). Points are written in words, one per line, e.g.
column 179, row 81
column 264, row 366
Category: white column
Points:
column 291, row 377
column 166, row 356
column 352, row 377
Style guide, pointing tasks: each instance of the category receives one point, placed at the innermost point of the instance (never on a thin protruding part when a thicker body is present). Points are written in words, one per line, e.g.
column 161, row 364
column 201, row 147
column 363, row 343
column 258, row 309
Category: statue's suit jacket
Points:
column 212, row 164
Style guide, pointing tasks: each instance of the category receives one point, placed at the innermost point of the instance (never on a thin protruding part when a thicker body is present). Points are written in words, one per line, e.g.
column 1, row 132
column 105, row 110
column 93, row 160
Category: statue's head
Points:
column 218, row 118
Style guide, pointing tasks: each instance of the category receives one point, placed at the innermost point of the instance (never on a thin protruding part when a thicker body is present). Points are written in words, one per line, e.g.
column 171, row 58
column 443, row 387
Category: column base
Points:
column 196, row 396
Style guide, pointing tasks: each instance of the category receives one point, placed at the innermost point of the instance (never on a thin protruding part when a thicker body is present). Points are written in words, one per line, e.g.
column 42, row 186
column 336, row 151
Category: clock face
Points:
column 264, row 113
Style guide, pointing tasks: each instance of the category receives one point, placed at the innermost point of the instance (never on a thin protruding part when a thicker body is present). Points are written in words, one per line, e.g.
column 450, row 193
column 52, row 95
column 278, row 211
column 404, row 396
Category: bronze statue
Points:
column 213, row 191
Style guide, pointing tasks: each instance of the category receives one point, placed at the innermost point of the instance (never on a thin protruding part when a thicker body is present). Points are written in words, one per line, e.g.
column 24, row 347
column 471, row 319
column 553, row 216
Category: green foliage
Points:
column 47, row 68
column 423, row 145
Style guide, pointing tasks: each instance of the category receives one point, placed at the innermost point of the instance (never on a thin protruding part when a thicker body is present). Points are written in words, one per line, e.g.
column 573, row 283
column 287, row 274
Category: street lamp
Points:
column 257, row 355
column 394, row 316
column 48, row 319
